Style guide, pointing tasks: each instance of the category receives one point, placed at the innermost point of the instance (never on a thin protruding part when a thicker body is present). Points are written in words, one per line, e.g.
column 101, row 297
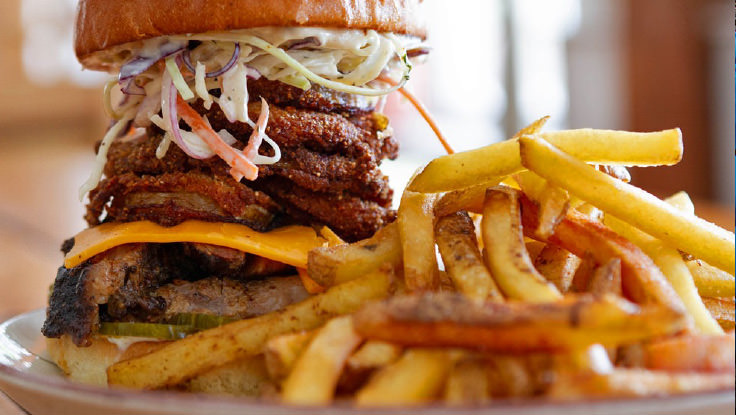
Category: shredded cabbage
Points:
column 178, row 79
column 96, row 174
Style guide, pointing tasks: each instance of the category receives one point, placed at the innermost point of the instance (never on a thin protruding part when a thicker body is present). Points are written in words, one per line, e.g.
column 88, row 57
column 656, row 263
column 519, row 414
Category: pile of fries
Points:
column 557, row 279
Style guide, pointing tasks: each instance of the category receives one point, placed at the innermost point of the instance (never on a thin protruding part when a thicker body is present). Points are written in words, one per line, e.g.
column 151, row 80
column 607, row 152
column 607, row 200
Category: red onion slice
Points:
column 169, row 93
column 142, row 62
column 187, row 59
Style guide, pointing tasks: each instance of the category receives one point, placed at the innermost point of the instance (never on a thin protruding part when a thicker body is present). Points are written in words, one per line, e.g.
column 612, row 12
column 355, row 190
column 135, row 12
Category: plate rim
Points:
column 175, row 402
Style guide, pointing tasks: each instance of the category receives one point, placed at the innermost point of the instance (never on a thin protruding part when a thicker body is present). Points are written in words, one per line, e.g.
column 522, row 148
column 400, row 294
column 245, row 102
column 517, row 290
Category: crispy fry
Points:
column 281, row 352
column 641, row 279
column 553, row 202
column 455, row 236
column 636, row 382
column 309, row 284
column 467, row 383
column 416, row 231
column 557, row 265
column 722, row 309
column 465, row 169
column 338, row 264
column 711, row 281
column 372, row 355
column 416, row 378
column 469, row 199
column 681, row 200
column 507, row 257
column 332, row 238
column 314, row 376
column 446, row 319
column 692, row 353
column 583, row 274
column 533, row 128
column 631, row 204
column 606, row 278
column 534, row 248
column 195, row 354
column 673, row 267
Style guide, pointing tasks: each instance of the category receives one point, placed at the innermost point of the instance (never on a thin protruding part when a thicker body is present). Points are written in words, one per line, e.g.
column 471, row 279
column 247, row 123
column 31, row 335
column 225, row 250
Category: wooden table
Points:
column 39, row 208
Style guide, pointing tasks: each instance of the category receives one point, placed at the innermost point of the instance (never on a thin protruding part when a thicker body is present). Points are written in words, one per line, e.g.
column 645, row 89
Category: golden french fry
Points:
column 636, row 382
column 314, row 377
column 722, row 309
column 553, row 202
column 711, row 281
column 507, row 257
column 534, row 248
column 455, row 236
column 583, row 274
column 673, row 267
column 606, row 278
column 183, row 359
column 681, row 201
column 465, row 169
column 469, row 199
column 692, row 353
column 590, row 211
column 253, row 379
column 557, row 265
column 330, row 236
column 372, row 355
column 467, row 383
column 329, row 266
column 642, row 281
column 416, row 231
column 533, row 128
column 617, row 172
column 453, row 320
column 309, row 284
column 415, row 379
column 631, row 204
column 281, row 352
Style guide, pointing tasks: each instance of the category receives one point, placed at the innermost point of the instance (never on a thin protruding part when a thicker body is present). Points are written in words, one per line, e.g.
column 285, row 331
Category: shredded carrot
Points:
column 310, row 285
column 422, row 111
column 240, row 166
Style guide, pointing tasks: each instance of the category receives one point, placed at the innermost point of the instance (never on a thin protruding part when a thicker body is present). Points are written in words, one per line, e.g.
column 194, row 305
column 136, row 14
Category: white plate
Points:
column 32, row 381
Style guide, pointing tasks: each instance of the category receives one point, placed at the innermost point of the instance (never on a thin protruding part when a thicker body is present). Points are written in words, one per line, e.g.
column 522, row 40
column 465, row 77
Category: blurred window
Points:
column 48, row 55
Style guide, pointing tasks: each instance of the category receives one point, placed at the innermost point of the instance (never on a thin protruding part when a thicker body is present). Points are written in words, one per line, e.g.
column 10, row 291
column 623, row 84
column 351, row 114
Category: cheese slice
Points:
column 289, row 244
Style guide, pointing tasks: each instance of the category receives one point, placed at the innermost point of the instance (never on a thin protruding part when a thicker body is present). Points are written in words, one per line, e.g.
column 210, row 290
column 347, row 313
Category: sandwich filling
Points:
column 264, row 128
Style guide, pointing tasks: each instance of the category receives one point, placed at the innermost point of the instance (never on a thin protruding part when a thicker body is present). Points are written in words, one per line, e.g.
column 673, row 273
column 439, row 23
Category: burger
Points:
column 243, row 134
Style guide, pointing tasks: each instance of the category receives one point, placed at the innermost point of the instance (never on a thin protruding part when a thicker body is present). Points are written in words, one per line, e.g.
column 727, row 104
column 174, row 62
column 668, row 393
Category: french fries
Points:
column 641, row 279
column 692, row 353
column 281, row 352
column 711, row 281
column 416, row 378
column 467, row 383
column 631, row 204
column 465, row 169
column 313, row 379
column 557, row 265
column 183, row 359
column 606, row 279
column 416, row 231
column 469, row 199
column 722, row 309
column 456, row 240
column 623, row 383
column 553, row 202
column 451, row 320
column 338, row 264
column 673, row 267
column 507, row 257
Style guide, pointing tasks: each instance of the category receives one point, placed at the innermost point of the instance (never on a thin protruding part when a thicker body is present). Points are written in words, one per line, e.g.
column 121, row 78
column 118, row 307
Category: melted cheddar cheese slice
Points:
column 289, row 244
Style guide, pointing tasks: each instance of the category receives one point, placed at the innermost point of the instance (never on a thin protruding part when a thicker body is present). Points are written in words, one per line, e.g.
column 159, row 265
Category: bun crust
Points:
column 102, row 24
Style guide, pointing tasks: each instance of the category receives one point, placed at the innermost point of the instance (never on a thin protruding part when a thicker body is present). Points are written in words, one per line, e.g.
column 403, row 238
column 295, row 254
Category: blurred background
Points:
column 497, row 65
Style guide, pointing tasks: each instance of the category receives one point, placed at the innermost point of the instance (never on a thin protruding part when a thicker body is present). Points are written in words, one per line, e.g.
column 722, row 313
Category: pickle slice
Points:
column 152, row 330
column 199, row 321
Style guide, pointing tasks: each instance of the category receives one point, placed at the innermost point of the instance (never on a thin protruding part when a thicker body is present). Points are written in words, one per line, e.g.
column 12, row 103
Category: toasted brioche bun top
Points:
column 104, row 24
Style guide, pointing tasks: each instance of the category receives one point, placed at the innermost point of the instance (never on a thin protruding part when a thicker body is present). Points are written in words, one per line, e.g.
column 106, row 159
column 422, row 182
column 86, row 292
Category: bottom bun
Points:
column 246, row 377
